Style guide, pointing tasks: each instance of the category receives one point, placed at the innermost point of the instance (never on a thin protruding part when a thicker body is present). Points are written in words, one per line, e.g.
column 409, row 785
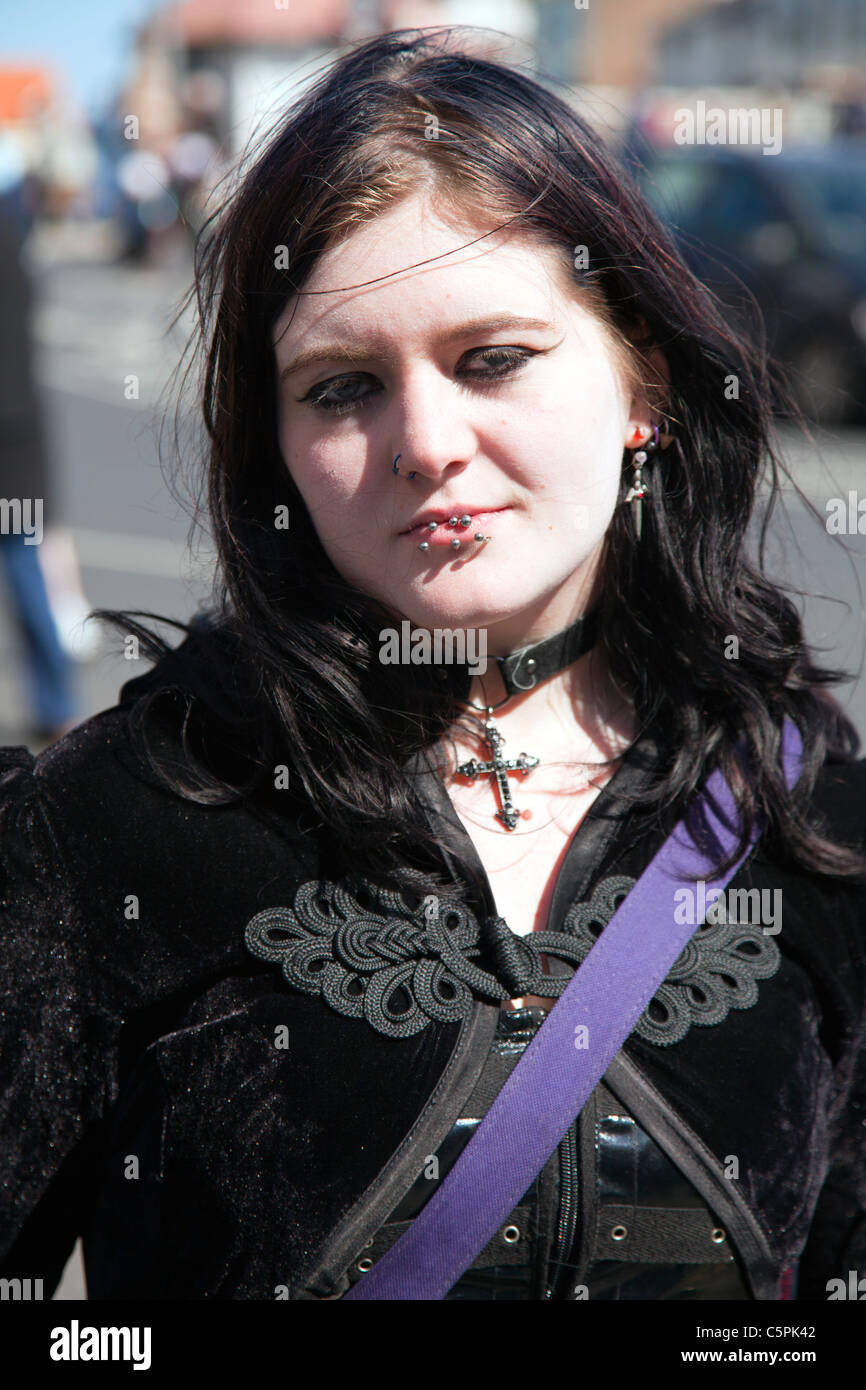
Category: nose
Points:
column 430, row 427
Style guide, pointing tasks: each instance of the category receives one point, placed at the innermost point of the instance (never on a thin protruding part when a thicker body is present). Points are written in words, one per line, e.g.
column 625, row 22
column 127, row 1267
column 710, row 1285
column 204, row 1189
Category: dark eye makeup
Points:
column 331, row 395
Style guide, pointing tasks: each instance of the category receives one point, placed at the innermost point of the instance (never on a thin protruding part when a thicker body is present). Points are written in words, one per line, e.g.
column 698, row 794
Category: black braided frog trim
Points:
column 717, row 971
column 371, row 954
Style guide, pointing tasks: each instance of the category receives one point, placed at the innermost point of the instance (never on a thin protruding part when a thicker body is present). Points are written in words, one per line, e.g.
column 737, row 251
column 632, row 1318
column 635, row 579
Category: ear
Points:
column 651, row 394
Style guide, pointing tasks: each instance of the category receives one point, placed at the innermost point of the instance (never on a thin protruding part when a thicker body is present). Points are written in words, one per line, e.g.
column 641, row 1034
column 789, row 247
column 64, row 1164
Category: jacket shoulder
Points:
column 148, row 736
column 74, row 781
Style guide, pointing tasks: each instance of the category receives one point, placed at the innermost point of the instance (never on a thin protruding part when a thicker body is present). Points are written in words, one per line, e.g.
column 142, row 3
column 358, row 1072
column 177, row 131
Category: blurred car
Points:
column 791, row 228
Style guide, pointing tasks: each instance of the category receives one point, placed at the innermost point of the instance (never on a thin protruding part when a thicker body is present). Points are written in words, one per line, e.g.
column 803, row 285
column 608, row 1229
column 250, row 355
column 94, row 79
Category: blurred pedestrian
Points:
column 24, row 489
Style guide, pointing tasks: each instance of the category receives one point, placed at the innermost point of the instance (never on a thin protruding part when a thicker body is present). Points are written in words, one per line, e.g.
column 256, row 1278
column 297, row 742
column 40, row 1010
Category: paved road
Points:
column 98, row 323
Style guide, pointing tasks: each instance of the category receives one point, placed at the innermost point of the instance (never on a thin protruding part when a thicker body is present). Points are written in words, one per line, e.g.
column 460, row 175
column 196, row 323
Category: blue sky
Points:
column 87, row 41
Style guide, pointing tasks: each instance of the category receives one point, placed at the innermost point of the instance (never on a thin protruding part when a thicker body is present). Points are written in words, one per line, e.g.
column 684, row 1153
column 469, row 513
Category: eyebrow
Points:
column 376, row 349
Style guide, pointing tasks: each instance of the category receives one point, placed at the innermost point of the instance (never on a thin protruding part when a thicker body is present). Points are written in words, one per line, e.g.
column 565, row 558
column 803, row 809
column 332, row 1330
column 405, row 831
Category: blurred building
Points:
column 225, row 70
column 25, row 94
column 253, row 54
column 794, row 43
column 45, row 143
column 246, row 61
column 617, row 43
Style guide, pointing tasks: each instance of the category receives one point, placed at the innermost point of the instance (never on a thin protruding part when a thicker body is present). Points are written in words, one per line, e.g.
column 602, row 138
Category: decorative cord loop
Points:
column 372, row 953
column 718, row 970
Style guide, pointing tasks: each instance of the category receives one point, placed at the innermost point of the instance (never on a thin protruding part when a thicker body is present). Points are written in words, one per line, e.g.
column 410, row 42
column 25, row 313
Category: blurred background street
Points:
column 119, row 118
column 97, row 322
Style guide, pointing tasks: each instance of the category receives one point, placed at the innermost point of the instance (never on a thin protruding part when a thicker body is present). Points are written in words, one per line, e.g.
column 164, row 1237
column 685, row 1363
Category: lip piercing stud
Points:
column 452, row 521
column 465, row 520
column 478, row 536
column 455, row 544
column 431, row 525
column 425, row 545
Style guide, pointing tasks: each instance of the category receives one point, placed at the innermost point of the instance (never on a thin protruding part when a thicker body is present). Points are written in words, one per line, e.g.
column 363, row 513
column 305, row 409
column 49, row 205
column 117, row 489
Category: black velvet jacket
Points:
column 208, row 1075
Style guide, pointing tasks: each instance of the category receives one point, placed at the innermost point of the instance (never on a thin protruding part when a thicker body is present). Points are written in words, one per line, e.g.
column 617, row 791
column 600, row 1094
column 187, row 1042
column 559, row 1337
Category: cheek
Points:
column 572, row 446
column 321, row 482
column 341, row 514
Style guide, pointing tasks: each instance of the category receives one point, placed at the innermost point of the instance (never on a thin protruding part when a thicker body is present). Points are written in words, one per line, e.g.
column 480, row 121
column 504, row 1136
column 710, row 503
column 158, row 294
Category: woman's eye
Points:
column 501, row 361
column 338, row 394
column 342, row 393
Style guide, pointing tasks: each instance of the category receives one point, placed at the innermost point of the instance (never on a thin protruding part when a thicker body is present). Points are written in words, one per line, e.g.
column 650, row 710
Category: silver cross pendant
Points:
column 499, row 767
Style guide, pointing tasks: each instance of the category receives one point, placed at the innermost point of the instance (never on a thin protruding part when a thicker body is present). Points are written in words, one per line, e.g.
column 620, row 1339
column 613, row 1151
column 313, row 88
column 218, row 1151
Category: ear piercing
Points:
column 638, row 490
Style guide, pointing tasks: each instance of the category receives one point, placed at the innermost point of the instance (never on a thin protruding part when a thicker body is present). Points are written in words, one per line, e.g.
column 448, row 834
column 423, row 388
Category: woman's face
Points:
column 496, row 387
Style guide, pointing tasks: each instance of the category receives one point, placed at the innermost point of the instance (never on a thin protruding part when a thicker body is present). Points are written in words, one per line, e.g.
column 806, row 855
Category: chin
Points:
column 479, row 603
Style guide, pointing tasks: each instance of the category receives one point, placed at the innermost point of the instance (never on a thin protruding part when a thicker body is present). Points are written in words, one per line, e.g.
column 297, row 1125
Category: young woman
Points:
column 458, row 382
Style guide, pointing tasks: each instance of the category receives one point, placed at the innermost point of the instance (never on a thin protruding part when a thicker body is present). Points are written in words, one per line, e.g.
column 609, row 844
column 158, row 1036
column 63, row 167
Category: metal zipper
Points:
column 567, row 1222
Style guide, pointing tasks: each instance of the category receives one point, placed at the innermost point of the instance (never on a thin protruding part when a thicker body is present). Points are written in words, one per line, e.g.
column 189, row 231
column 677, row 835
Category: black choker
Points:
column 522, row 670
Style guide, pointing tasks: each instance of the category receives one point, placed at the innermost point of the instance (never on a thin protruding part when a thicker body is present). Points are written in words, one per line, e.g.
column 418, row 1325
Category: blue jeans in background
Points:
column 49, row 669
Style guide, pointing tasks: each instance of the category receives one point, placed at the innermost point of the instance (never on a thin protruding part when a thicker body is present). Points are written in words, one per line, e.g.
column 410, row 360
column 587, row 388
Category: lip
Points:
column 444, row 534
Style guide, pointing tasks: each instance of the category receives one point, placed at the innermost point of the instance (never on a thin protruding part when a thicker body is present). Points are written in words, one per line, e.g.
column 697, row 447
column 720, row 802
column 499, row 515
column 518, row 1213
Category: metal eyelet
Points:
column 511, row 1235
column 718, row 1235
column 364, row 1265
column 619, row 1233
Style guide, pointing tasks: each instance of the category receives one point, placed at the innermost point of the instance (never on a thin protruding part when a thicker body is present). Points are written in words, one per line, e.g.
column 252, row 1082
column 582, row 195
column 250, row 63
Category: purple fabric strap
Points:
column 563, row 1064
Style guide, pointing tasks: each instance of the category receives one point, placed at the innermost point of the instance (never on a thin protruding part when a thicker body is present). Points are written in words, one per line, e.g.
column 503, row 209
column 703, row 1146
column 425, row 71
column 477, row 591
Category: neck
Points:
column 542, row 619
column 577, row 712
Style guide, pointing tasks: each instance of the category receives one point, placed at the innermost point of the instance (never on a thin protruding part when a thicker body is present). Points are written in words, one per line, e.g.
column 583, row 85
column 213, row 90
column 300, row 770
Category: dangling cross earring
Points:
column 638, row 490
